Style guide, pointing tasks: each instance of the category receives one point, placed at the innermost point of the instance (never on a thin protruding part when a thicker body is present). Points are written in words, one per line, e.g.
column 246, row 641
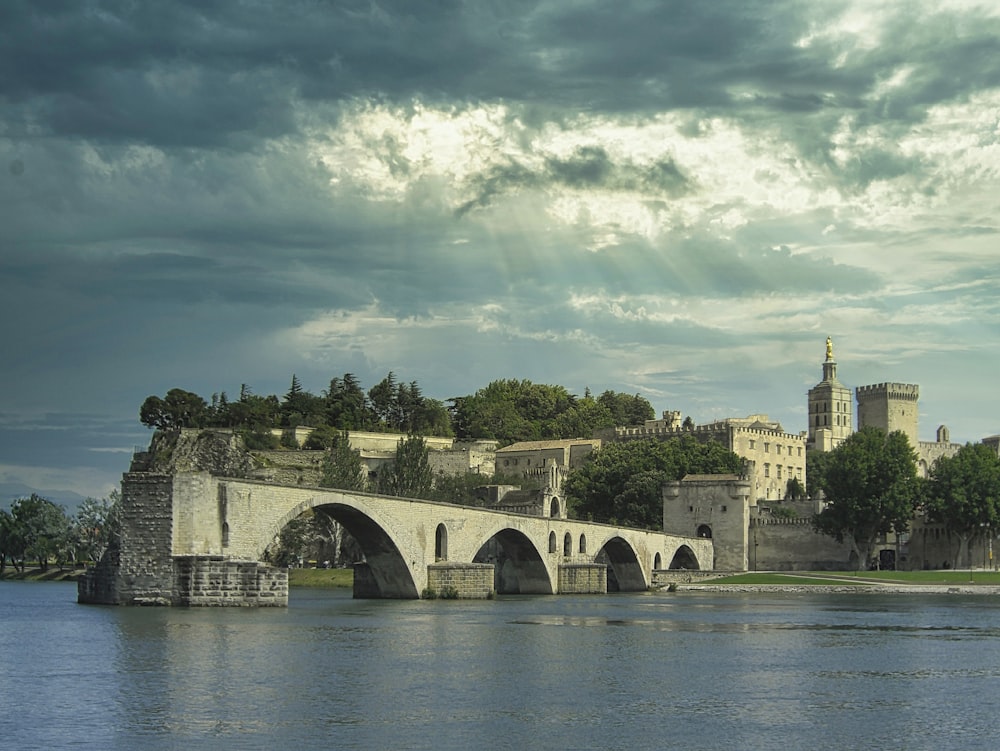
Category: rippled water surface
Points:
column 647, row 671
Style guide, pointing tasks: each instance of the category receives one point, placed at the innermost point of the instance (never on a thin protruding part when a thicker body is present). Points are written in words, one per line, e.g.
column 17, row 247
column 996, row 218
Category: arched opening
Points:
column 552, row 542
column 380, row 572
column 657, row 562
column 583, row 544
column 441, row 543
column 704, row 531
column 567, row 545
column 624, row 571
column 517, row 565
column 225, row 534
column 554, row 508
column 684, row 558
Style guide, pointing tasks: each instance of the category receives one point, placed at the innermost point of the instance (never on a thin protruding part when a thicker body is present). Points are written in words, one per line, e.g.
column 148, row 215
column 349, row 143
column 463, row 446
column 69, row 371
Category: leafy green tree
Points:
column 9, row 542
column 622, row 483
column 626, row 409
column 383, row 399
column 346, row 407
column 302, row 408
column 179, row 409
column 963, row 494
column 817, row 463
column 410, row 474
column 321, row 438
column 97, row 523
column 871, row 489
column 794, row 490
column 342, row 466
column 41, row 530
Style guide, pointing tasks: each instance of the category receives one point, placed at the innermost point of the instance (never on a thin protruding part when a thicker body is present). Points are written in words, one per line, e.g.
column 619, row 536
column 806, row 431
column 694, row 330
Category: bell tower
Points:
column 830, row 408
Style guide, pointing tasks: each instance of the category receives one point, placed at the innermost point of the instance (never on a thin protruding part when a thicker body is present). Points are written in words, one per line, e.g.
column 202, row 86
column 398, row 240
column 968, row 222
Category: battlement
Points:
column 898, row 391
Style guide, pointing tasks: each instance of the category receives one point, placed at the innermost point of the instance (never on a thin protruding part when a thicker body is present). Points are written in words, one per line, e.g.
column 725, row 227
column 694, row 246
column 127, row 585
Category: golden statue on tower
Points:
column 829, row 348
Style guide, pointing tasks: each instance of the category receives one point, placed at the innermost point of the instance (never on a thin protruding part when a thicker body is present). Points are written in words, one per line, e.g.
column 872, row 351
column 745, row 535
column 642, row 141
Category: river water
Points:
column 629, row 671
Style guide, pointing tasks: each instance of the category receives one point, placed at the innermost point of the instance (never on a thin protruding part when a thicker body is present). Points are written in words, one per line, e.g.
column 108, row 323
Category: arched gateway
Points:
column 194, row 538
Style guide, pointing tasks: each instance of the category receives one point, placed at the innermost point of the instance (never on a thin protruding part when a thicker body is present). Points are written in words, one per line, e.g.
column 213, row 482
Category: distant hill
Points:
column 11, row 491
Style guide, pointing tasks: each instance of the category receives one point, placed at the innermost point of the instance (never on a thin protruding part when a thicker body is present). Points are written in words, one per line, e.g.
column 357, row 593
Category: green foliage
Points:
column 302, row 539
column 505, row 410
column 342, row 466
column 512, row 410
column 622, row 483
column 794, row 491
column 261, row 439
column 410, row 474
column 462, row 489
column 179, row 409
column 97, row 524
column 817, row 463
column 321, row 438
column 38, row 530
column 871, row 487
column 963, row 493
column 288, row 439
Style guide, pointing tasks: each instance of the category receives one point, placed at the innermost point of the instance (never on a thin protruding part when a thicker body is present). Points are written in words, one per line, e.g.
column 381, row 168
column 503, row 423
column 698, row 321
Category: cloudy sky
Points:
column 679, row 199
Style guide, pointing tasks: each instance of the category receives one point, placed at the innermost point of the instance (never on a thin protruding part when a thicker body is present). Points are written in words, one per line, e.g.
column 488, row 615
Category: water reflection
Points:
column 628, row 671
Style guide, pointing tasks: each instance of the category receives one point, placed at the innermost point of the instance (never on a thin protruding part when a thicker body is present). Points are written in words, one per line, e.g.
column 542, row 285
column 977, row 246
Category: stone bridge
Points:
column 192, row 538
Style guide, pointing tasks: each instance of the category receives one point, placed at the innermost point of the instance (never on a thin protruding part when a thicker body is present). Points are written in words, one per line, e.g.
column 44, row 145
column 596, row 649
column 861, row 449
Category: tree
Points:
column 342, row 466
column 346, row 408
column 97, row 523
column 40, row 530
column 179, row 409
column 963, row 494
column 622, row 483
column 9, row 542
column 871, row 488
column 410, row 473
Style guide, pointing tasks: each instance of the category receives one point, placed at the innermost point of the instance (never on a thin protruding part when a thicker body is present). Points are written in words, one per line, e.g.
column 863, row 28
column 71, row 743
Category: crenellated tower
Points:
column 830, row 408
column 890, row 407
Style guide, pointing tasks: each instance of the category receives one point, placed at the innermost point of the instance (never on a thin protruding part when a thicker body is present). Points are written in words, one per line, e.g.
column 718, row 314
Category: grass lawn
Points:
column 320, row 577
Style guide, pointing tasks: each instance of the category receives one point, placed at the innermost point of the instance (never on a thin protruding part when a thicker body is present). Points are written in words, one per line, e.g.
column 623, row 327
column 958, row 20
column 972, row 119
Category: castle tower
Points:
column 830, row 407
column 890, row 407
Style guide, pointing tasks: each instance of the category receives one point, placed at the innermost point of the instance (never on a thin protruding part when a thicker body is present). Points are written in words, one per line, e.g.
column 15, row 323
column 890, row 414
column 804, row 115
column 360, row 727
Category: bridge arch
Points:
column 518, row 566
column 391, row 576
column 624, row 569
column 684, row 558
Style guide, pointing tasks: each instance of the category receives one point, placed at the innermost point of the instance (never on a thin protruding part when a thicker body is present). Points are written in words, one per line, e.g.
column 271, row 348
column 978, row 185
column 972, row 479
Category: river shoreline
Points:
column 864, row 589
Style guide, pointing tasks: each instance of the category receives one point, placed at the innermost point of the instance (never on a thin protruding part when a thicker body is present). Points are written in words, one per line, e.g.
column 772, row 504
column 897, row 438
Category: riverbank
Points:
column 297, row 577
column 884, row 582
column 34, row 574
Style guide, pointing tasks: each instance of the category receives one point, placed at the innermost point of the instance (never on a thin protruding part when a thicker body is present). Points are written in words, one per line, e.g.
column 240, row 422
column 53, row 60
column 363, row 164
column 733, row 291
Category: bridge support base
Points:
column 583, row 579
column 462, row 581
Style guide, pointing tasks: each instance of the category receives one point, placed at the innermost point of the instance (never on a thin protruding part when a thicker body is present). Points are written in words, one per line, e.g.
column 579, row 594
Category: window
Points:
column 767, row 448
column 753, row 444
column 778, row 469
column 767, row 470
column 724, row 509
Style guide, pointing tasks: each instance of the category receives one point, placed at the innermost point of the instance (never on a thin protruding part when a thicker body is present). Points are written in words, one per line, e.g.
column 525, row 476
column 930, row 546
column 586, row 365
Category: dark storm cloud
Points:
column 589, row 167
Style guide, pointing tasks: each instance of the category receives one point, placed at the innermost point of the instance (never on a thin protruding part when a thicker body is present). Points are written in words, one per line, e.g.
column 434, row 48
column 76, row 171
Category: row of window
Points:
column 791, row 471
column 825, row 407
column 839, row 420
column 777, row 448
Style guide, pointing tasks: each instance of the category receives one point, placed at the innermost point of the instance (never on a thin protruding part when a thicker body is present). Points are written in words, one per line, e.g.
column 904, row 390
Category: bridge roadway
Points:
column 406, row 541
